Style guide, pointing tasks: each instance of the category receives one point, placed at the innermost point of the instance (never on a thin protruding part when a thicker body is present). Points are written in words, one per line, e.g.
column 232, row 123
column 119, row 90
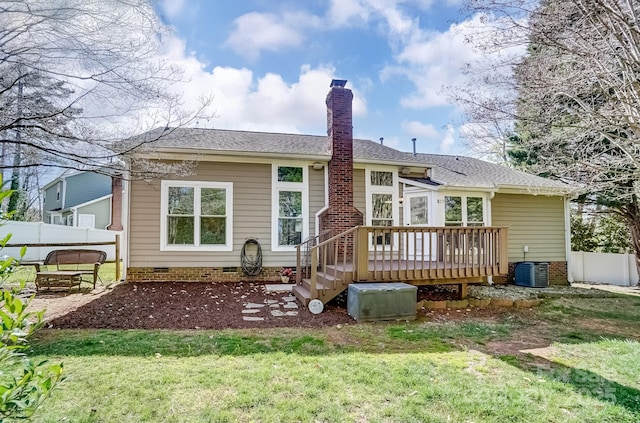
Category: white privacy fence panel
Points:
column 614, row 269
column 44, row 233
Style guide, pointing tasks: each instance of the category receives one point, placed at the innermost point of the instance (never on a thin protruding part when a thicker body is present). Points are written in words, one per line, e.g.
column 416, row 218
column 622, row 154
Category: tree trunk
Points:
column 14, row 199
column 632, row 215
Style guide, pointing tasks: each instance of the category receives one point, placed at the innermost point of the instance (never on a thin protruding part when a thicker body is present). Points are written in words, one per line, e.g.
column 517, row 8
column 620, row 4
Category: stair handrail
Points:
column 302, row 268
column 321, row 250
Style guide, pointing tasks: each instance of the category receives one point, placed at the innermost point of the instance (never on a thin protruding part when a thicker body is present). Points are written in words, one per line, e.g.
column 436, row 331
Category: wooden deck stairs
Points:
column 329, row 285
column 326, row 264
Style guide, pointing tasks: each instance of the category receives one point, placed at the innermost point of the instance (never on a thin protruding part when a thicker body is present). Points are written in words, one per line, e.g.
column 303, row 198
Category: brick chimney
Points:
column 340, row 215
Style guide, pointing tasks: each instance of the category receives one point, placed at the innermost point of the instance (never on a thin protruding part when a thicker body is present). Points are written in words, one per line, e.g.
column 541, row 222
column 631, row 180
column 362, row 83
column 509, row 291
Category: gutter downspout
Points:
column 125, row 238
column 567, row 238
column 489, row 223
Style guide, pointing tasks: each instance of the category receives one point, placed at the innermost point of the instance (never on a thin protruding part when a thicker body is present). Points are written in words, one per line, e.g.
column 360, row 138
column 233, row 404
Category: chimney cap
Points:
column 338, row 83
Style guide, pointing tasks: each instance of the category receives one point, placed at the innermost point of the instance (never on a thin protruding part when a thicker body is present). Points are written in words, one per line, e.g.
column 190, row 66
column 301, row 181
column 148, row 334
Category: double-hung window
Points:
column 196, row 216
column 290, row 206
column 463, row 210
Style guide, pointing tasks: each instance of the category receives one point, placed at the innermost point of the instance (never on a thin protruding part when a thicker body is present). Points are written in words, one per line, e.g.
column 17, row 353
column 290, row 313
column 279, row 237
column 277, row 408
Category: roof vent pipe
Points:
column 413, row 140
column 381, row 141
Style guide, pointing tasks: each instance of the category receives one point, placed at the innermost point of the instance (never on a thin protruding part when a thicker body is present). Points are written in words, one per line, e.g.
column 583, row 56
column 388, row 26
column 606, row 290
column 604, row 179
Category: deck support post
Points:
column 463, row 289
column 361, row 267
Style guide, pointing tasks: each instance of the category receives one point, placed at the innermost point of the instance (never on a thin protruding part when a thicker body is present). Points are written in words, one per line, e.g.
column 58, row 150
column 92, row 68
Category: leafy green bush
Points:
column 24, row 385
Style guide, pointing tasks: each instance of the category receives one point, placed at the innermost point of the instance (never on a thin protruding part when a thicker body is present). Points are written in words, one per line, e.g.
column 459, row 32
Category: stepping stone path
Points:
column 288, row 303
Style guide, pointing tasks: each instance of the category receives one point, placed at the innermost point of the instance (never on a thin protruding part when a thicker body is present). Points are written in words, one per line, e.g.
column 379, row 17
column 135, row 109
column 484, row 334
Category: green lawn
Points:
column 107, row 274
column 444, row 371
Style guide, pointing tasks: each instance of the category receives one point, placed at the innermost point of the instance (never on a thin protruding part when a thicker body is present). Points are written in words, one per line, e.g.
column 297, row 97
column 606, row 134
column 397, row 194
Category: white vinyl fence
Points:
column 610, row 268
column 44, row 233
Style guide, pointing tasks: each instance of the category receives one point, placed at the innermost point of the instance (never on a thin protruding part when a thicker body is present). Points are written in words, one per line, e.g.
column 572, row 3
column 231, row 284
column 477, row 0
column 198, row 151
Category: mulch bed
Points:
column 168, row 305
column 178, row 305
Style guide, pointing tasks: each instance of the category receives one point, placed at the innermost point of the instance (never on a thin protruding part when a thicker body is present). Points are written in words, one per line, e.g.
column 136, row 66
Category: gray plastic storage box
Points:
column 382, row 301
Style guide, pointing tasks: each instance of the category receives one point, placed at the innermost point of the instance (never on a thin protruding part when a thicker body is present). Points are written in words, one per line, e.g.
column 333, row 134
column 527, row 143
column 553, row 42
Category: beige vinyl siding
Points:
column 359, row 191
column 251, row 217
column 316, row 196
column 535, row 221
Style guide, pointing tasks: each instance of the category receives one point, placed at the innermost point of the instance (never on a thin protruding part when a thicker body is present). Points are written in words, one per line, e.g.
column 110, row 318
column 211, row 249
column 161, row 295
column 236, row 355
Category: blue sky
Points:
column 269, row 64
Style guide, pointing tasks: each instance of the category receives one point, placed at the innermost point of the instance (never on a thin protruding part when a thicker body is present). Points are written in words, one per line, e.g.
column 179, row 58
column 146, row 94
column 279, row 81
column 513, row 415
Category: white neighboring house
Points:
column 79, row 199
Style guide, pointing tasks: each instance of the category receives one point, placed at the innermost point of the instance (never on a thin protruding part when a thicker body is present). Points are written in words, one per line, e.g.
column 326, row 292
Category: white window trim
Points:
column 164, row 194
column 463, row 196
column 378, row 189
column 52, row 216
column 407, row 206
column 276, row 187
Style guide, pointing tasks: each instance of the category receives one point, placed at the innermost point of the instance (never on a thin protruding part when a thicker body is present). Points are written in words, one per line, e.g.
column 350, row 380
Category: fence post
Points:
column 117, row 258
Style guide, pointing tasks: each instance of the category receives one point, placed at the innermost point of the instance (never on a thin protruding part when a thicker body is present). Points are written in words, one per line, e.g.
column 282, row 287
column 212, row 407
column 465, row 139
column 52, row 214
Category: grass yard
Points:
column 444, row 370
column 107, row 273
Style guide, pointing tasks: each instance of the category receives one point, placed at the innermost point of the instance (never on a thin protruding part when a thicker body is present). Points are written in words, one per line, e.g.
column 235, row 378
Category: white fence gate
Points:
column 614, row 269
column 44, row 233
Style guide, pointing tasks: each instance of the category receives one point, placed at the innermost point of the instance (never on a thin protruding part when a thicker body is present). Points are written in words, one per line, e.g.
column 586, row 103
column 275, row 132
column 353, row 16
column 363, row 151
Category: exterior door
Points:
column 417, row 213
column 87, row 221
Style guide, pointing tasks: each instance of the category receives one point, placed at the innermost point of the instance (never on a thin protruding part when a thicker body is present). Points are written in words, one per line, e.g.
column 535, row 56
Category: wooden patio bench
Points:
column 65, row 268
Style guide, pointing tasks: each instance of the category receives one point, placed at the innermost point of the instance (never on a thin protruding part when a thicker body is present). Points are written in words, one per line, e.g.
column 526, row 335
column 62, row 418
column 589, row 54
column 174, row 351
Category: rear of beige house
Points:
column 534, row 221
column 251, row 219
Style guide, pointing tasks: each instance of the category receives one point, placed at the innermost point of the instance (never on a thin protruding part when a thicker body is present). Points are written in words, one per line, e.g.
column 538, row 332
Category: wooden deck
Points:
column 418, row 256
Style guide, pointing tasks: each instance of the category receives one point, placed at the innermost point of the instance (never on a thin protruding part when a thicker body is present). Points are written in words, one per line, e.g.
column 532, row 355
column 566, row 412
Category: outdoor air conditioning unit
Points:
column 533, row 275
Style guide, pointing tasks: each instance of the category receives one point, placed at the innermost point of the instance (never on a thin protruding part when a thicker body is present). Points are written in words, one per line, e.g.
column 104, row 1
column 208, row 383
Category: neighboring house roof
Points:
column 449, row 171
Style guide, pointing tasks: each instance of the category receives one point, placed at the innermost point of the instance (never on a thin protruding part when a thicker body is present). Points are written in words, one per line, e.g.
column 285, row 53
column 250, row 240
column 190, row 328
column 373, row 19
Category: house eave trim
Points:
column 532, row 190
column 220, row 155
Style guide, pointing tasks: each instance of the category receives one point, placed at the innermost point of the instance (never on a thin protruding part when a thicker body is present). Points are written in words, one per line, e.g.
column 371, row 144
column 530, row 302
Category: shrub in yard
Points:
column 24, row 385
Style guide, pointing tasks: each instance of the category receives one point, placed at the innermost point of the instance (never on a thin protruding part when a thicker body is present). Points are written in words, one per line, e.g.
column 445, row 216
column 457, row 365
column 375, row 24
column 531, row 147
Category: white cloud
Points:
column 256, row 32
column 427, row 134
column 433, row 61
column 173, row 8
column 245, row 101
column 448, row 140
column 347, row 13
column 417, row 129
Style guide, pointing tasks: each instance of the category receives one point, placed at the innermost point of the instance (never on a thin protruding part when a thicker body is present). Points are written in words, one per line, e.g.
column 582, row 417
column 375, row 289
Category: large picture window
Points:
column 290, row 206
column 197, row 215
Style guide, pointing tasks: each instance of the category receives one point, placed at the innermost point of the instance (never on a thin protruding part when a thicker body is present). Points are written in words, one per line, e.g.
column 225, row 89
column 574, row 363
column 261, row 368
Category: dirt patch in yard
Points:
column 57, row 303
column 195, row 306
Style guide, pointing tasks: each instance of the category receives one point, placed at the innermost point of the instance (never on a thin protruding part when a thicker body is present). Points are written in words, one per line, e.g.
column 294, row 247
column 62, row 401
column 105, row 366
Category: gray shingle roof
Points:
column 462, row 171
column 454, row 171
